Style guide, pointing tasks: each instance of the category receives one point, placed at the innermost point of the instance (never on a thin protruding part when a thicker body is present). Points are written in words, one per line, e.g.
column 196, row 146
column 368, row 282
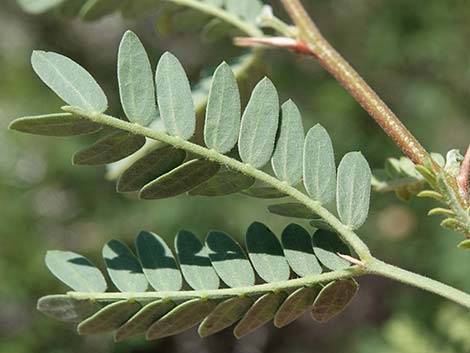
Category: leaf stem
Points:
column 334, row 63
column 346, row 233
column 326, row 277
column 380, row 268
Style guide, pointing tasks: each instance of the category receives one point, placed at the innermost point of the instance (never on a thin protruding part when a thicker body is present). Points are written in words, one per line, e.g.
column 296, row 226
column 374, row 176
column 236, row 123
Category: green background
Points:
column 416, row 54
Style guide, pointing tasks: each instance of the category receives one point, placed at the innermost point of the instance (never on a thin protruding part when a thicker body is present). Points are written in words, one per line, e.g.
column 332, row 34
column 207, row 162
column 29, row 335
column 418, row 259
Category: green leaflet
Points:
column 123, row 267
column 194, row 261
column 95, row 9
column 69, row 81
column 297, row 244
column 181, row 318
column 262, row 311
column 136, row 85
column 326, row 245
column 288, row 154
column 266, row 253
column 295, row 305
column 64, row 308
column 292, row 209
column 174, row 97
column 111, row 148
column 333, row 299
column 61, row 124
column 229, row 260
column 246, row 9
column 223, row 111
column 75, row 271
column 158, row 263
column 109, row 318
column 225, row 182
column 38, row 6
column 259, row 125
column 150, row 167
column 180, row 180
column 264, row 193
column 353, row 189
column 319, row 165
column 224, row 315
column 141, row 321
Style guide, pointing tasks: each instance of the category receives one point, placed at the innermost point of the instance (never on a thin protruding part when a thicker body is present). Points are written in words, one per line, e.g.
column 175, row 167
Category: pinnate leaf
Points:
column 295, row 305
column 229, row 260
column 69, row 81
column 266, row 253
column 333, row 299
column 61, row 124
column 353, row 189
column 180, row 180
column 123, row 267
column 195, row 263
column 259, row 125
column 150, row 167
column 174, row 97
column 64, row 308
column 227, row 181
column 223, row 111
column 319, row 165
column 75, row 271
column 158, row 263
column 288, row 154
column 109, row 149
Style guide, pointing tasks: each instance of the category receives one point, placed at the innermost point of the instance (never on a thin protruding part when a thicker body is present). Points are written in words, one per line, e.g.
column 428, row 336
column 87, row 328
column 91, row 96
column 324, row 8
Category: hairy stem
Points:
column 385, row 270
column 334, row 63
column 353, row 271
column 346, row 233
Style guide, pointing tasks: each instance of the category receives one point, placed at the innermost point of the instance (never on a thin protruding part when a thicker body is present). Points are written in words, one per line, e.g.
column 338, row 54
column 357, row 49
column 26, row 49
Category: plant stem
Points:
column 326, row 277
column 346, row 233
column 380, row 268
column 334, row 63
column 226, row 16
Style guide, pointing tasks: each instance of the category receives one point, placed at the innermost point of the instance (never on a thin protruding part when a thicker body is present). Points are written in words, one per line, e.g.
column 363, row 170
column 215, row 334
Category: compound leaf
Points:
column 297, row 244
column 175, row 101
column 194, row 261
column 259, row 125
column 158, row 263
column 75, row 271
column 180, row 180
column 141, row 321
column 266, row 253
column 64, row 308
column 353, row 189
column 181, row 318
column 123, row 267
column 319, row 165
column 333, row 299
column 288, row 154
column 262, row 311
column 69, row 81
column 224, row 315
column 136, row 85
column 223, row 111
column 109, row 149
column 229, row 260
column 227, row 181
column 109, row 318
column 295, row 305
column 150, row 167
column 61, row 124
column 326, row 245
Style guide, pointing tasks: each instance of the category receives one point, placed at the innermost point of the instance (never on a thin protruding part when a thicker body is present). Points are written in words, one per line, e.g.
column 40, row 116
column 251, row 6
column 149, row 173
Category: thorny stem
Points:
column 334, row 63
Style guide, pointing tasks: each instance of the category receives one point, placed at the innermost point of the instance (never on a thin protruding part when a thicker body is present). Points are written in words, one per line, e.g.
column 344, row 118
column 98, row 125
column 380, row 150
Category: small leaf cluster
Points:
column 211, row 284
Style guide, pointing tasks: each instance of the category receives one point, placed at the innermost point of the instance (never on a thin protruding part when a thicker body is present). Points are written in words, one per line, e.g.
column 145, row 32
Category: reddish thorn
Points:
column 280, row 42
column 463, row 178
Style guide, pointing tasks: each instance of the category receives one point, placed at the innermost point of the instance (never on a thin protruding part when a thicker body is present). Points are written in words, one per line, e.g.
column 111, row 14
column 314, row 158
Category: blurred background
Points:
column 416, row 54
